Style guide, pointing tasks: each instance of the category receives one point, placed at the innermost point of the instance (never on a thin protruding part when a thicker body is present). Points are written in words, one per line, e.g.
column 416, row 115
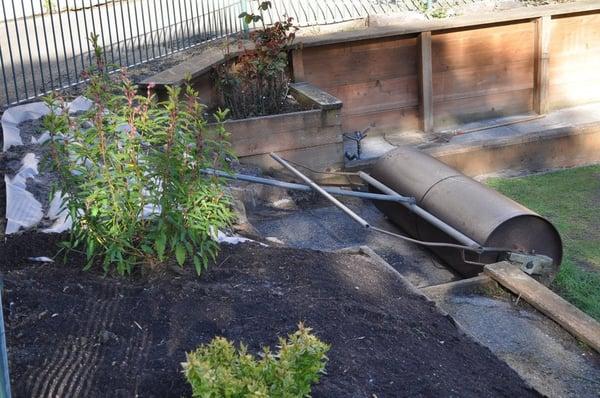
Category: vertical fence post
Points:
column 543, row 33
column 425, row 82
column 5, row 391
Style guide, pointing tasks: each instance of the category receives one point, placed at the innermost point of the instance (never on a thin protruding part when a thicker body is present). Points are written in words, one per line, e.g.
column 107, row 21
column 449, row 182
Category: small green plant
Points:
column 219, row 370
column 433, row 11
column 256, row 83
column 130, row 172
column 439, row 12
column 49, row 6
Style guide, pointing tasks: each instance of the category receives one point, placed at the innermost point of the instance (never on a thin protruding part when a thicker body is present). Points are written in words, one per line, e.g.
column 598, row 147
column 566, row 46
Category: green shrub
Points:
column 219, row 370
column 130, row 169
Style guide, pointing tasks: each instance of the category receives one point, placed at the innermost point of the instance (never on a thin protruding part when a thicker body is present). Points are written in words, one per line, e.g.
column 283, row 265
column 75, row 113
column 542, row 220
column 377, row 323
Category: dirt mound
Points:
column 75, row 333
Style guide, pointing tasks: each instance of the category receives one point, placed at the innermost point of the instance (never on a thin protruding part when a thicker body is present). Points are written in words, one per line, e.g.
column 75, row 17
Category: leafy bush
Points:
column 219, row 370
column 130, row 170
column 256, row 83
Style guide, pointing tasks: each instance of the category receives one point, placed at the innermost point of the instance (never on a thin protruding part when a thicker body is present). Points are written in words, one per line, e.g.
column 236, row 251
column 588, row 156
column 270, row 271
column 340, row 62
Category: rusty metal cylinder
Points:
column 482, row 214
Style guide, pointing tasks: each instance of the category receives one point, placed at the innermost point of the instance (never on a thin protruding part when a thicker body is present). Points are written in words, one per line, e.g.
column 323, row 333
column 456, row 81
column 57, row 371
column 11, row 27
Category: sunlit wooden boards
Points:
column 375, row 79
column 543, row 32
column 482, row 73
column 574, row 67
column 265, row 134
column 487, row 72
column 425, row 82
column 575, row 321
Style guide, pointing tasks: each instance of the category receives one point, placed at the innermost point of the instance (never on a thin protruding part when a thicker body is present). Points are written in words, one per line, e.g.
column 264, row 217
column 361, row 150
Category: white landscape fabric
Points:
column 23, row 210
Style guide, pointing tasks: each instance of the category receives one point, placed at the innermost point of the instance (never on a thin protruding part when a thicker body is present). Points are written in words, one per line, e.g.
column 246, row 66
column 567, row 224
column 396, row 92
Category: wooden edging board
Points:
column 572, row 319
column 460, row 286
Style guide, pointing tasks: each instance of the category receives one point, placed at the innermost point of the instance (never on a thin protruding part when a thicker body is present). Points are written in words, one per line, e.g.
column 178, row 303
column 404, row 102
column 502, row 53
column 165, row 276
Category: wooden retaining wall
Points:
column 435, row 75
column 375, row 79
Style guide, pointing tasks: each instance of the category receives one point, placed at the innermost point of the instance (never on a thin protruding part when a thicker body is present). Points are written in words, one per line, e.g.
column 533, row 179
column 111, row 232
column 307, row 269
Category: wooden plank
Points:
column 572, row 34
column 587, row 66
column 401, row 91
column 213, row 54
column 575, row 321
column 425, row 83
column 314, row 96
column 561, row 147
column 482, row 73
column 575, row 93
column 455, row 83
column 263, row 126
column 298, row 65
column 468, row 109
column 284, row 141
column 321, row 158
column 493, row 45
column 344, row 64
column 541, row 64
column 405, row 119
column 462, row 286
column 485, row 94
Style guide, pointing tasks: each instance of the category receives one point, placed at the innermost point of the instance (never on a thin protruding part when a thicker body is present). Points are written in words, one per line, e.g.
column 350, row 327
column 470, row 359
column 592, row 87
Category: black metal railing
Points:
column 44, row 43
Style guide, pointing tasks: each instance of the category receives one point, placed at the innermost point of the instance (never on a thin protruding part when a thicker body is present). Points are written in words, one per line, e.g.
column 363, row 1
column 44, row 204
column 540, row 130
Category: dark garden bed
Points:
column 75, row 333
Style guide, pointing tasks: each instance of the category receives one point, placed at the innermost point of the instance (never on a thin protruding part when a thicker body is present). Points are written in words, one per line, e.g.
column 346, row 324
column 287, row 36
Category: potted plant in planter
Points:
column 268, row 112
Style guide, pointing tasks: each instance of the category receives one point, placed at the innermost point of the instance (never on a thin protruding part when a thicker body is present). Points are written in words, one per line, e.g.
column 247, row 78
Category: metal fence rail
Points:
column 44, row 43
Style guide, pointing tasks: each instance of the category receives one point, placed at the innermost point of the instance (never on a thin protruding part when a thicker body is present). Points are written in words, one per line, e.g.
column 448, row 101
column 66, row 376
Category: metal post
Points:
column 299, row 187
column 4, row 374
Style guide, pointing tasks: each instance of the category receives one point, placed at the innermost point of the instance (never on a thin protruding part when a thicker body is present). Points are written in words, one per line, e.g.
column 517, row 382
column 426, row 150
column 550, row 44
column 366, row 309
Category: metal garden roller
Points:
column 479, row 213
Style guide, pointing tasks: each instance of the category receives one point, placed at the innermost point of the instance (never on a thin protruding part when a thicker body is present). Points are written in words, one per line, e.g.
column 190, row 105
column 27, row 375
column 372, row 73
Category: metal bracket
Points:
column 357, row 137
column 531, row 264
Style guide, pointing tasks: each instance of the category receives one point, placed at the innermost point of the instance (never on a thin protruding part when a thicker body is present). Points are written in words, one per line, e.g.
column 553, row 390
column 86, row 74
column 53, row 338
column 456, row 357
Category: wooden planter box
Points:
column 312, row 138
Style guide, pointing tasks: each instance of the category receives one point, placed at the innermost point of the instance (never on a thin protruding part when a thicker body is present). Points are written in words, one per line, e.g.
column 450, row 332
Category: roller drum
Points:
column 484, row 215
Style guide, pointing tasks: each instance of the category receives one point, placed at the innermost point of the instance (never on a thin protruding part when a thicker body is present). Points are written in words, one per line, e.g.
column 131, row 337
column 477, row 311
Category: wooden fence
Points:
column 434, row 75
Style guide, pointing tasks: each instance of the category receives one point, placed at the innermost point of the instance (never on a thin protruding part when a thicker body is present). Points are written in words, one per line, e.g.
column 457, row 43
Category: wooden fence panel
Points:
column 487, row 72
column 574, row 67
column 375, row 79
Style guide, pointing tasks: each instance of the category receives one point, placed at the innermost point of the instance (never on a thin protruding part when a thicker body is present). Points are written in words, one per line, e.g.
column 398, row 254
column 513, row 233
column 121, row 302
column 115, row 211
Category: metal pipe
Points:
column 4, row 371
column 325, row 191
column 299, row 187
column 363, row 222
column 454, row 233
column 320, row 190
column 363, row 195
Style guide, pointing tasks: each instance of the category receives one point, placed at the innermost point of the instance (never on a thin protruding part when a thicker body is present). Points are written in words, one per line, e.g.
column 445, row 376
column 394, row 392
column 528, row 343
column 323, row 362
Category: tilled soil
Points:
column 75, row 333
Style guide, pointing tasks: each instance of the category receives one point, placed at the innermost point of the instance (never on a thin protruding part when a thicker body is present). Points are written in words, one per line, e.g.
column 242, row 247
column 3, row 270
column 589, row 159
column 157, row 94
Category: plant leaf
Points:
column 180, row 253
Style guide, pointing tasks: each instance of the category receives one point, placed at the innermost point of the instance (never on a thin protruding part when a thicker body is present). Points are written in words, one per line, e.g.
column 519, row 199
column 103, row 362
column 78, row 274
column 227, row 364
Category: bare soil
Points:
column 75, row 333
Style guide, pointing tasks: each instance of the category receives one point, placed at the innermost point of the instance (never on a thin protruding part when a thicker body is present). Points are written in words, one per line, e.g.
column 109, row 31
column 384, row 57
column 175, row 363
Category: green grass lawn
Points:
column 571, row 200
